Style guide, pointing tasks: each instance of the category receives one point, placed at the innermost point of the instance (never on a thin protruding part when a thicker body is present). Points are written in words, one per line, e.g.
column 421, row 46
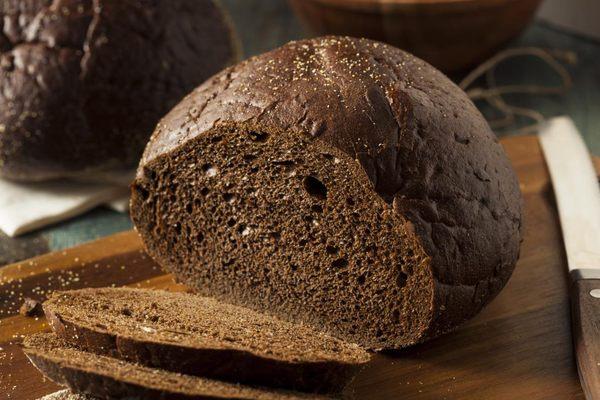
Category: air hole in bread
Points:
column 361, row 279
column 142, row 191
column 340, row 263
column 316, row 208
column 315, row 187
column 401, row 279
column 331, row 250
column 231, row 222
column 350, row 201
column 216, row 139
column 204, row 191
column 150, row 174
column 229, row 197
column 227, row 263
column 258, row 136
column 126, row 312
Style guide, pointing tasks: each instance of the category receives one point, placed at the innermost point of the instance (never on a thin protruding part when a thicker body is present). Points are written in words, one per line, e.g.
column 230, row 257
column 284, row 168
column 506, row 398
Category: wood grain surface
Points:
column 519, row 347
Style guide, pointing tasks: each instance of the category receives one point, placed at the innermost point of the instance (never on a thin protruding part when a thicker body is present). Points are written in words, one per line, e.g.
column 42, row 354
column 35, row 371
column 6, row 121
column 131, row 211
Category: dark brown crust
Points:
column 84, row 82
column 426, row 149
column 231, row 365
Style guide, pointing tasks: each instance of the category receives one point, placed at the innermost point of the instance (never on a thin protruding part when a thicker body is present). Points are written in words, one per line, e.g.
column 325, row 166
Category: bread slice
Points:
column 200, row 336
column 109, row 378
column 338, row 182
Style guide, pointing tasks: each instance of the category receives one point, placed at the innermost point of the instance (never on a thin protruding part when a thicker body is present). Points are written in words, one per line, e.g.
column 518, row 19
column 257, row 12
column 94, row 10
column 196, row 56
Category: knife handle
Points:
column 585, row 317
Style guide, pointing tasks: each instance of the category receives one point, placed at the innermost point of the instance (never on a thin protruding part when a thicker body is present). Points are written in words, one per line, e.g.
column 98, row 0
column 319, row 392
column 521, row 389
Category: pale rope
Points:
column 493, row 93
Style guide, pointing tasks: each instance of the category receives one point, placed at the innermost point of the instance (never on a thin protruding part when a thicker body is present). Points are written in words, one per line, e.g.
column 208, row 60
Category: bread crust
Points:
column 426, row 149
column 84, row 82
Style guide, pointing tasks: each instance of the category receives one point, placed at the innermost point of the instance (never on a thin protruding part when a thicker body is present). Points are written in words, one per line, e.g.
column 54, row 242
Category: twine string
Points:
column 493, row 93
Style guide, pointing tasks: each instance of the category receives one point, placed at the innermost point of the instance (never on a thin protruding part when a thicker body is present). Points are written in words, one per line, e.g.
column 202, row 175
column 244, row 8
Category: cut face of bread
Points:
column 109, row 378
column 278, row 222
column 196, row 335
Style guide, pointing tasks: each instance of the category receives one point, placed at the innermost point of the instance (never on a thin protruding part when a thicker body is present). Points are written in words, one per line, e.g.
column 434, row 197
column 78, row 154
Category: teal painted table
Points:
column 265, row 24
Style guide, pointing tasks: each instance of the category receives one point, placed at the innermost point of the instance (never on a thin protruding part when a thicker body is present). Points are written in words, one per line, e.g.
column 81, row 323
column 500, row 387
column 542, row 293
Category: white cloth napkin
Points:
column 25, row 207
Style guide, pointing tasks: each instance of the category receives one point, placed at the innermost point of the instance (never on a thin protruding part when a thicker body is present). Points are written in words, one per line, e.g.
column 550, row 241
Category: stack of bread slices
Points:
column 149, row 344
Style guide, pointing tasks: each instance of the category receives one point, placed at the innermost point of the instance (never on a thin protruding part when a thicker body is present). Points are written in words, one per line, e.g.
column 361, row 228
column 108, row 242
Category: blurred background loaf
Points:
column 83, row 83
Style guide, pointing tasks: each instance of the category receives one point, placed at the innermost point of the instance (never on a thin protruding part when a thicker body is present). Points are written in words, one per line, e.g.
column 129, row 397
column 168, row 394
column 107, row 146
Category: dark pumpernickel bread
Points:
column 339, row 182
column 84, row 82
column 195, row 335
column 110, row 378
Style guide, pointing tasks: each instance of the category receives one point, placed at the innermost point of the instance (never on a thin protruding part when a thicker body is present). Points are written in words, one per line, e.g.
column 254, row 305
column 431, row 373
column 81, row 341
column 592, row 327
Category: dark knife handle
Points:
column 585, row 317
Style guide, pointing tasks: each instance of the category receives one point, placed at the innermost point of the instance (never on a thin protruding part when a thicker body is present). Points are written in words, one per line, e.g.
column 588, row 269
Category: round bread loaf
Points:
column 337, row 182
column 84, row 82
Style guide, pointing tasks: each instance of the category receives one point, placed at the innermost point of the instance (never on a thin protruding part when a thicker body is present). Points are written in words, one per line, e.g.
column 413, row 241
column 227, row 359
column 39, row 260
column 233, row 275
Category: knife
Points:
column 578, row 198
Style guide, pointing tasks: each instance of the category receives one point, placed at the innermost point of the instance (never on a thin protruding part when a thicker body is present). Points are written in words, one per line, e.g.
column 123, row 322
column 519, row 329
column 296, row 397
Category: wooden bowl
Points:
column 450, row 34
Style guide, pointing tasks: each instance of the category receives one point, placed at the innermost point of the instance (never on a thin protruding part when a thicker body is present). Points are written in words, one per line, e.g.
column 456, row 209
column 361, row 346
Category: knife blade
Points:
column 577, row 196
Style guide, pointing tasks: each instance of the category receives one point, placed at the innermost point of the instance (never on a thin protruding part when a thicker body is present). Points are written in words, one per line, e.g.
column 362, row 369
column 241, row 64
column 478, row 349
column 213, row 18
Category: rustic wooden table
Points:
column 265, row 24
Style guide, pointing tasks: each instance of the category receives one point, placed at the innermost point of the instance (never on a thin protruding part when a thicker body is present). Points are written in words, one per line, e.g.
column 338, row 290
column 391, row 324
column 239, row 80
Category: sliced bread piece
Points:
column 109, row 378
column 187, row 333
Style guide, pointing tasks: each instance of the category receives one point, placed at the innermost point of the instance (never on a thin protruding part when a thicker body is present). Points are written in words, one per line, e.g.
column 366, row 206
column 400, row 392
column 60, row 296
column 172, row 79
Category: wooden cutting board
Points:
column 519, row 347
